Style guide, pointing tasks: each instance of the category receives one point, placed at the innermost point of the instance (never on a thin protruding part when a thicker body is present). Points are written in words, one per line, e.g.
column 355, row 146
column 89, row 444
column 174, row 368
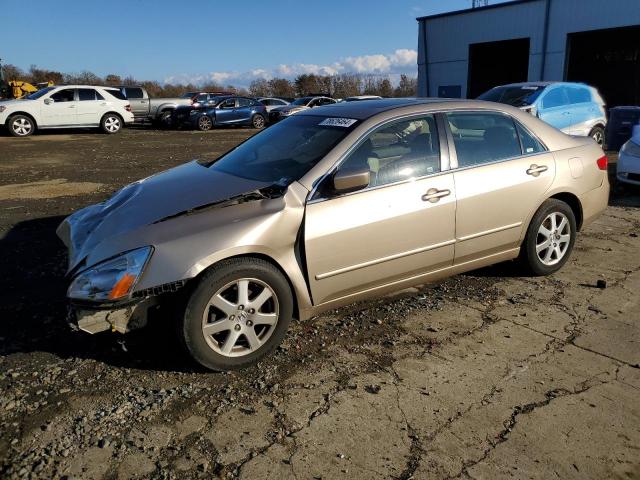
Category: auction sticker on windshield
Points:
column 337, row 122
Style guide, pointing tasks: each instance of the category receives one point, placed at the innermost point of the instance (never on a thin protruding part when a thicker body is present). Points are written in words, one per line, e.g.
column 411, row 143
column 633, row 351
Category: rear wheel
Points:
column 164, row 119
column 238, row 313
column 257, row 121
column 550, row 238
column 597, row 133
column 204, row 123
column 21, row 126
column 111, row 123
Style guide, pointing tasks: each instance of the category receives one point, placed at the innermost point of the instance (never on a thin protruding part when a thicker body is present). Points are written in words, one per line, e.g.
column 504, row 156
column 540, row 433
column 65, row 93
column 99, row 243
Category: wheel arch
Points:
column 266, row 258
column 574, row 202
column 112, row 113
column 26, row 114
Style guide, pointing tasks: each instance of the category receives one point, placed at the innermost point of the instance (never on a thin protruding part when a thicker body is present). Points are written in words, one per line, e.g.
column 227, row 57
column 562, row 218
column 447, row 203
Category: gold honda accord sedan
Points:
column 330, row 206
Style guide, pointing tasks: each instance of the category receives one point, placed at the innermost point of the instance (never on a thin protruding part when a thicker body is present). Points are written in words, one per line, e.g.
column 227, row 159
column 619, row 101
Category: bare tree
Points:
column 113, row 79
column 281, row 87
column 259, row 88
column 407, row 87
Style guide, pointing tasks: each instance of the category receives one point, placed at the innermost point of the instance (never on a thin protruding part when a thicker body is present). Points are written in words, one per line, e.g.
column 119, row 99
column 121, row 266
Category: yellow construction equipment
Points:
column 18, row 88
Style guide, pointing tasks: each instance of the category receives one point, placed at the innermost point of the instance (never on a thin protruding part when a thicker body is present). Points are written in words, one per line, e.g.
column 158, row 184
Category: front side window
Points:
column 555, row 98
column 229, row 103
column 483, row 137
column 203, row 97
column 404, row 150
column 66, row 95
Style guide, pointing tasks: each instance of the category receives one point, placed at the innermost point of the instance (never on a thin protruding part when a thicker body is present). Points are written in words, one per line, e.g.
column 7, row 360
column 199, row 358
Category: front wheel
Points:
column 257, row 121
column 21, row 126
column 550, row 238
column 597, row 133
column 238, row 313
column 111, row 123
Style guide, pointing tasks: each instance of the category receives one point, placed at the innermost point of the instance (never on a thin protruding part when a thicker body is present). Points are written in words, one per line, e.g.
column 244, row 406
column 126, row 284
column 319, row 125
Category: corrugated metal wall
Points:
column 443, row 44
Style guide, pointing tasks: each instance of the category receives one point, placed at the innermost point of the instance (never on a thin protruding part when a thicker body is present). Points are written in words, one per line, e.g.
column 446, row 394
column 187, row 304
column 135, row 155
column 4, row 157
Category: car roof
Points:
column 543, row 84
column 364, row 110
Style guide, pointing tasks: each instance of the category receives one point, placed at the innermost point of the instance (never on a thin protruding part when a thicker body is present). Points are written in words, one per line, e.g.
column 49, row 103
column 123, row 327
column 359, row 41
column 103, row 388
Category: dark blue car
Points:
column 222, row 110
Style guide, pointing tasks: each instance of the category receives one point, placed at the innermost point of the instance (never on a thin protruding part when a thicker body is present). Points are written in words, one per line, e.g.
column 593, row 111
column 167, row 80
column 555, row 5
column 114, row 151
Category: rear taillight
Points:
column 603, row 162
column 127, row 108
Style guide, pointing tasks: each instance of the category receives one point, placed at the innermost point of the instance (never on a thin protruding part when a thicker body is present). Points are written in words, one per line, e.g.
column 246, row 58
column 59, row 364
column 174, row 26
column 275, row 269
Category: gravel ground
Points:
column 484, row 375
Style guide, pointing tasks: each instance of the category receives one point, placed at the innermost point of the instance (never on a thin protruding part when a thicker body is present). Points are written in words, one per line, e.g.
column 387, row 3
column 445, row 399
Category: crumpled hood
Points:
column 158, row 198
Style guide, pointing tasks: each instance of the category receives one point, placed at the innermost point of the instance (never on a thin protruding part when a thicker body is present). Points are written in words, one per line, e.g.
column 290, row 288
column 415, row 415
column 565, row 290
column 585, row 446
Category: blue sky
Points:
column 231, row 42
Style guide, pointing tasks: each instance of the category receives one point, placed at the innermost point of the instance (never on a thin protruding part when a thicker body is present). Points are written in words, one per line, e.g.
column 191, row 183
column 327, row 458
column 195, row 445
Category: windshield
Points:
column 286, row 151
column 516, row 96
column 301, row 101
column 188, row 95
column 39, row 93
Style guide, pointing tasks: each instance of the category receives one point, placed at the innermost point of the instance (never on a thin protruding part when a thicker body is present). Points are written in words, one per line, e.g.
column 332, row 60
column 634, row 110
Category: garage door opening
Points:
column 497, row 63
column 609, row 60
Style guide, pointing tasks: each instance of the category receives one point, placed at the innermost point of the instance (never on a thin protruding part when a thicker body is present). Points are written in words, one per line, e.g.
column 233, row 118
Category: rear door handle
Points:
column 536, row 170
column 433, row 195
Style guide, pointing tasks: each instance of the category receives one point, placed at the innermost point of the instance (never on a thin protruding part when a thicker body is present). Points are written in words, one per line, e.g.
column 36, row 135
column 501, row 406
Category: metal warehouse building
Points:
column 466, row 52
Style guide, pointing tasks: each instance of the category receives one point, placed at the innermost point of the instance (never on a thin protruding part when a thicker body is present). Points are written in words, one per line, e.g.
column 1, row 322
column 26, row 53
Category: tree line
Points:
column 339, row 86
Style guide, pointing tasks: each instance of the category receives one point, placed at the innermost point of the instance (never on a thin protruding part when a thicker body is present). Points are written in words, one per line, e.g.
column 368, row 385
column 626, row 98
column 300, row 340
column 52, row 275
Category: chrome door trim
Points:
column 322, row 276
column 489, row 232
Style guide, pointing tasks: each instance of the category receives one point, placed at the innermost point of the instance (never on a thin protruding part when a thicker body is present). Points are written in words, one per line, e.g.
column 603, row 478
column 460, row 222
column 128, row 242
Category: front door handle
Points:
column 433, row 195
column 536, row 170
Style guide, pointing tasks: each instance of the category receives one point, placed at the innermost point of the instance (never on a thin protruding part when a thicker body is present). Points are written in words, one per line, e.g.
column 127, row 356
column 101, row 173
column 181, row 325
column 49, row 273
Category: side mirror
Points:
column 351, row 179
column 48, row 101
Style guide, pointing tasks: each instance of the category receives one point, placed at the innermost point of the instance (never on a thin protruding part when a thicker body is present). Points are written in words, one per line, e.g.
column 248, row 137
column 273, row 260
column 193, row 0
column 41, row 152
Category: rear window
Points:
column 286, row 151
column 115, row 93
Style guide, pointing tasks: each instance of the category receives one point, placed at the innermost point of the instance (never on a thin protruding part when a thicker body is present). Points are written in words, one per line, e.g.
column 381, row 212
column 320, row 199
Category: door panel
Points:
column 139, row 104
column 555, row 108
column 90, row 109
column 493, row 202
column 225, row 113
column 376, row 236
column 63, row 111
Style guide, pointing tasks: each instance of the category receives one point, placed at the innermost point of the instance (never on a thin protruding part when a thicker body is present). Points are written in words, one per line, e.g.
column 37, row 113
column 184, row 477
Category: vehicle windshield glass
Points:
column 516, row 96
column 301, row 101
column 286, row 151
column 39, row 93
column 188, row 95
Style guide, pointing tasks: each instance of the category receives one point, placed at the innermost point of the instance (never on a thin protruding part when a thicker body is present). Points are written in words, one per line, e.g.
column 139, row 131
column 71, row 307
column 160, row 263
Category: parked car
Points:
column 271, row 102
column 68, row 106
column 359, row 98
column 628, row 167
column 155, row 110
column 297, row 106
column 218, row 111
column 333, row 205
column 574, row 108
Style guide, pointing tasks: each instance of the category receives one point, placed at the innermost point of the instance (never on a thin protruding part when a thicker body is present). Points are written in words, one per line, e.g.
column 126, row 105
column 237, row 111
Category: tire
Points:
column 597, row 133
column 240, row 334
column 21, row 125
column 164, row 119
column 204, row 123
column 111, row 123
column 258, row 121
column 542, row 253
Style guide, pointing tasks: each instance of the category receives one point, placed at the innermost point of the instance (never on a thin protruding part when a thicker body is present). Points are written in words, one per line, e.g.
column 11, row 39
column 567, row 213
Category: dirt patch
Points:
column 58, row 187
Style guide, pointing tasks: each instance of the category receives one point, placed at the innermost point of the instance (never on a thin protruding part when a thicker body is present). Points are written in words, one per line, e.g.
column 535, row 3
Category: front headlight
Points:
column 631, row 148
column 112, row 279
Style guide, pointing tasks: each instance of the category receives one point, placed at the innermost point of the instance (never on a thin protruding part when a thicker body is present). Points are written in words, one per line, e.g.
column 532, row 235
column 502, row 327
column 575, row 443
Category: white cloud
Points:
column 402, row 60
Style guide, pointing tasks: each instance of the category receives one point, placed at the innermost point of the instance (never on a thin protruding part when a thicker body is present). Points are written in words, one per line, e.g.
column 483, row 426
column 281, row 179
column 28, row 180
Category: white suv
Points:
column 69, row 106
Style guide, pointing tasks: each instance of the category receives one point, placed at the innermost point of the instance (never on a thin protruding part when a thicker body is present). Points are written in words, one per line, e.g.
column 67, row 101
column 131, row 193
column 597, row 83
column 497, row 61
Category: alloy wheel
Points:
column 598, row 137
column 112, row 124
column 258, row 121
column 22, row 126
column 240, row 317
column 553, row 239
column 204, row 123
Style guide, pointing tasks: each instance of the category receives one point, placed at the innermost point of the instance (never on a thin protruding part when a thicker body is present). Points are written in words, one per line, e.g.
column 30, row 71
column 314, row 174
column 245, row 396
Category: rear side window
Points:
column 85, row 94
column 483, row 137
column 66, row 95
column 267, row 102
column 116, row 93
column 244, row 102
column 403, row 150
column 555, row 98
column 530, row 144
column 134, row 92
column 579, row 95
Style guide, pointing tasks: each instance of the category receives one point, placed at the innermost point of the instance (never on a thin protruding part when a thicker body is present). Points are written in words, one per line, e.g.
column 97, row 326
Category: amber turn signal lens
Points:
column 122, row 286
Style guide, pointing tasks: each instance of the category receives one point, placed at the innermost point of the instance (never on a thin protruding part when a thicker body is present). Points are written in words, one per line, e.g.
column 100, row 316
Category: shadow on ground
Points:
column 33, row 308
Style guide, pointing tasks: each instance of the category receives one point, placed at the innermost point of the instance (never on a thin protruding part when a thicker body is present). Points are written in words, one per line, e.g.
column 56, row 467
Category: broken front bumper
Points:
column 121, row 319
